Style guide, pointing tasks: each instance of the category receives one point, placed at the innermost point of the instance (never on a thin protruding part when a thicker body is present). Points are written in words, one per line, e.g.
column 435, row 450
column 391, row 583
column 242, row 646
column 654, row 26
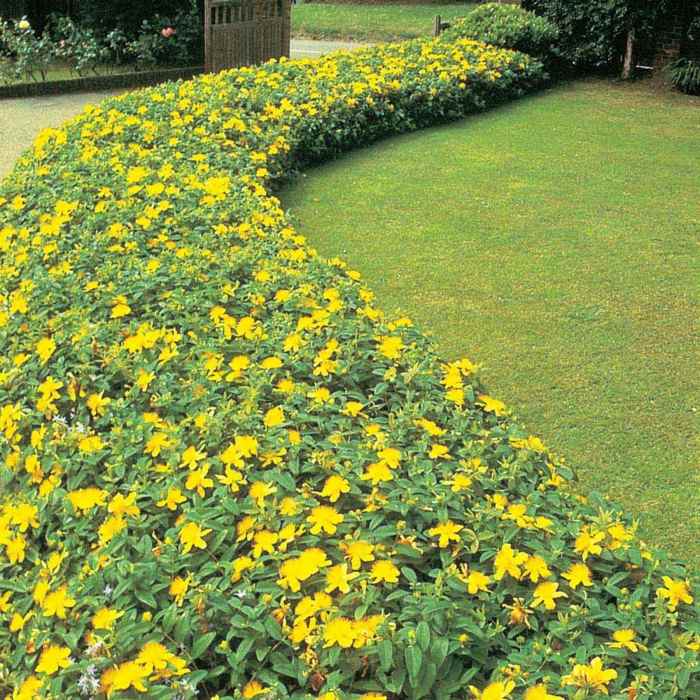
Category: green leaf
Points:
column 202, row 644
column 423, row 635
column 409, row 573
column 438, row 650
column 148, row 599
column 243, row 648
column 385, row 651
column 414, row 659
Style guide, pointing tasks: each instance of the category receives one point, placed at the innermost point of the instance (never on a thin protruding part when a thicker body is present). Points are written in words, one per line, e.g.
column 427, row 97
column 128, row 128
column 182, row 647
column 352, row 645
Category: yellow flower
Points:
column 390, row 346
column 191, row 456
column 15, row 549
column 353, row 408
column 259, row 490
column 105, row 618
column 536, row 568
column 439, row 452
column 25, row 516
column 127, row 675
column 340, row 631
column 53, row 658
column 192, row 535
column 547, row 593
column 45, row 348
column 178, row 588
column 335, row 486
column 539, row 692
column 446, row 532
column 124, row 505
column 274, row 417
column 430, row 427
column 111, row 527
column 384, row 571
column 461, row 482
column 377, row 472
column 587, row 543
column 144, row 379
column 508, row 561
column 591, row 677
column 358, row 552
column 240, row 565
column 156, row 657
column 91, row 444
column 57, row 603
column 264, row 541
column 17, row 621
column 97, row 404
column 675, row 592
column 320, row 395
column 477, row 581
column 578, row 574
column 137, row 174
column 624, row 639
column 85, row 499
column 492, row 405
column 198, row 481
column 120, row 309
column 494, row 691
column 29, row 690
column 231, row 478
column 324, row 518
column 252, row 689
column 338, row 578
column 391, row 456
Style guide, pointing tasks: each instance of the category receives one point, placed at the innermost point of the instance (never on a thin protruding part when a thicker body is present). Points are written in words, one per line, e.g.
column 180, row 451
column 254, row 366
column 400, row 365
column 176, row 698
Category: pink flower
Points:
column 167, row 32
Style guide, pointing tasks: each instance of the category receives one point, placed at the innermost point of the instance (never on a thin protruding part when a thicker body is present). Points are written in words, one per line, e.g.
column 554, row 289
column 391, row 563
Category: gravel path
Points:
column 21, row 120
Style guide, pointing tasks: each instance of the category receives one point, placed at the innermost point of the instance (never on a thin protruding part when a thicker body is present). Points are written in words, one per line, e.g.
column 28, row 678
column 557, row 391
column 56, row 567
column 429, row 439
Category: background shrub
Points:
column 685, row 75
column 507, row 26
column 102, row 16
column 592, row 33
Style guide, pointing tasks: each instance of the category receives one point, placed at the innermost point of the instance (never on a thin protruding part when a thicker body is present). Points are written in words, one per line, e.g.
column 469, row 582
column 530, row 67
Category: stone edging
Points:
column 98, row 82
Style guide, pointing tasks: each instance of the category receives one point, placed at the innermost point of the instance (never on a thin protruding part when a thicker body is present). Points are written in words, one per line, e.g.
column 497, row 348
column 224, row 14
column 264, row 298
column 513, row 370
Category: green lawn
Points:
column 555, row 241
column 370, row 22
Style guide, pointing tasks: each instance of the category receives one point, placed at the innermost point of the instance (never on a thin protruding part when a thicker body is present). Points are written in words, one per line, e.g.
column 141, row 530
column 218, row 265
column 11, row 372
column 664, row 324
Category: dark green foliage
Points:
column 685, row 75
column 105, row 15
column 590, row 31
column 509, row 27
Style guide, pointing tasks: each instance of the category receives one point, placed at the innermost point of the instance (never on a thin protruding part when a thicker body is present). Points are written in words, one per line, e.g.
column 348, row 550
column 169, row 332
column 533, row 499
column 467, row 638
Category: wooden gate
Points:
column 245, row 32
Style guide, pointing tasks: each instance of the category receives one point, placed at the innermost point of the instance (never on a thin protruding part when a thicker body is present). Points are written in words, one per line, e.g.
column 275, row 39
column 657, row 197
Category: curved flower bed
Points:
column 224, row 472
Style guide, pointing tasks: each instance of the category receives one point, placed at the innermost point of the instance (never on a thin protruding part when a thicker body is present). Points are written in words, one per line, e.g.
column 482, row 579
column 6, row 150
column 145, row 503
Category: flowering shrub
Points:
column 23, row 55
column 225, row 472
column 77, row 46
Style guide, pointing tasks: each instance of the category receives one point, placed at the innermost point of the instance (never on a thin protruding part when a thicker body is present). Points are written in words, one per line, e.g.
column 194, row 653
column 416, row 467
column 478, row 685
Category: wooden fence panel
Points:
column 245, row 32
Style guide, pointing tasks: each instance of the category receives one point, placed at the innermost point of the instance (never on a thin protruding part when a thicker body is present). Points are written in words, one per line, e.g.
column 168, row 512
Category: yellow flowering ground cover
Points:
column 223, row 473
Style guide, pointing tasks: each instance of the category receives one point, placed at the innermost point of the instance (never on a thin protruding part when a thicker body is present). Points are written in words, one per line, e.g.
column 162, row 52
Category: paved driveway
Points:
column 21, row 120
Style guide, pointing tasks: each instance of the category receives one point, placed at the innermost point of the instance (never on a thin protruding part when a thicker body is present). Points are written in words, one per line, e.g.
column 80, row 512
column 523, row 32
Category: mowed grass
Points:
column 371, row 22
column 555, row 241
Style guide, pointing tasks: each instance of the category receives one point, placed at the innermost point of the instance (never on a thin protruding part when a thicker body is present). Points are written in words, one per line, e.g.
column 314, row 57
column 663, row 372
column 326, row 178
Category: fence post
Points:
column 207, row 36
